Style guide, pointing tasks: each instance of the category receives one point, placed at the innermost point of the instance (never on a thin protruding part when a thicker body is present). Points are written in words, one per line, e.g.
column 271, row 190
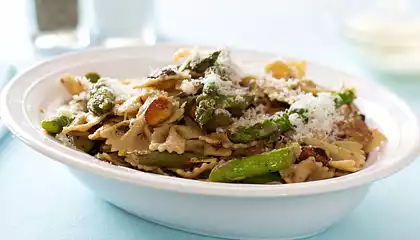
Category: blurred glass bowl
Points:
column 384, row 34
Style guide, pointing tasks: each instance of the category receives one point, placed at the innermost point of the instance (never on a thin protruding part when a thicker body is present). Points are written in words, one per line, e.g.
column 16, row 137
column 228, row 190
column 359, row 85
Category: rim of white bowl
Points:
column 50, row 148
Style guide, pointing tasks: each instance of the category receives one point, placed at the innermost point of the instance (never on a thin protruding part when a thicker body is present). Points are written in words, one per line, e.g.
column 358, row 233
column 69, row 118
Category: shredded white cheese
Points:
column 279, row 89
column 84, row 81
column 322, row 116
column 226, row 88
column 66, row 110
column 229, row 67
column 81, row 96
column 190, row 86
column 249, row 118
column 121, row 91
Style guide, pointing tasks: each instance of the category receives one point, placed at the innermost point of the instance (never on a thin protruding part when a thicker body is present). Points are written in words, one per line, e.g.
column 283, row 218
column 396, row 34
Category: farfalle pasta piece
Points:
column 130, row 106
column 165, row 78
column 83, row 122
column 172, row 138
column 345, row 165
column 199, row 146
column 174, row 142
column 188, row 132
column 128, row 135
column 350, row 145
column 377, row 139
column 212, row 138
column 337, row 152
column 159, row 136
column 320, row 173
column 107, row 124
column 308, row 169
column 209, row 150
column 194, row 173
column 220, row 139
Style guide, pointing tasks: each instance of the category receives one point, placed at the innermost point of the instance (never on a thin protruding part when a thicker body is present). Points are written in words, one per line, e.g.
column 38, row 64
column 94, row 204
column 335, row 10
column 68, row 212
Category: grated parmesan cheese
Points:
column 226, row 88
column 84, row 81
column 190, row 86
column 81, row 96
column 279, row 89
column 249, row 118
column 322, row 116
column 229, row 67
column 121, row 91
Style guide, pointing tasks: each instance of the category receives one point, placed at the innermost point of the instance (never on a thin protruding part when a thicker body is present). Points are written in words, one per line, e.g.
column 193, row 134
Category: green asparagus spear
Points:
column 55, row 125
column 102, row 99
column 210, row 89
column 253, row 166
column 205, row 110
column 261, row 130
column 210, row 100
column 163, row 159
column 345, row 97
column 83, row 143
column 264, row 179
column 220, row 118
column 255, row 132
column 207, row 105
column 201, row 65
column 93, row 77
column 236, row 105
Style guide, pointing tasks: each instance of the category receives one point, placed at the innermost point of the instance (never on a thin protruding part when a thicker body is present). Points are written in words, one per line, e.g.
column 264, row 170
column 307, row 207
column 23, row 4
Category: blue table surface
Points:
column 39, row 199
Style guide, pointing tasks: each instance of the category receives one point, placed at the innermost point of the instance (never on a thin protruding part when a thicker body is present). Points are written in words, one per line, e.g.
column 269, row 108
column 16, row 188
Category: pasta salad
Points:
column 204, row 118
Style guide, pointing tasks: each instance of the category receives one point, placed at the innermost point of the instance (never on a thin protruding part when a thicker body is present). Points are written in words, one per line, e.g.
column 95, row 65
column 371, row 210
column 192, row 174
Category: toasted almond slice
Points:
column 72, row 85
column 158, row 111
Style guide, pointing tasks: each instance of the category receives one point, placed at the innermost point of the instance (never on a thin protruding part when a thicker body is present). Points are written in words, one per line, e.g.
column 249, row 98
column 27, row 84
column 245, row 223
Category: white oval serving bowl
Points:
column 238, row 211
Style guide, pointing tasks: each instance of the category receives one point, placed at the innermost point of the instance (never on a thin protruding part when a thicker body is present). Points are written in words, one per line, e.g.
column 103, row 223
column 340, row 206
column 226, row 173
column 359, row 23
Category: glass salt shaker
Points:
column 56, row 26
